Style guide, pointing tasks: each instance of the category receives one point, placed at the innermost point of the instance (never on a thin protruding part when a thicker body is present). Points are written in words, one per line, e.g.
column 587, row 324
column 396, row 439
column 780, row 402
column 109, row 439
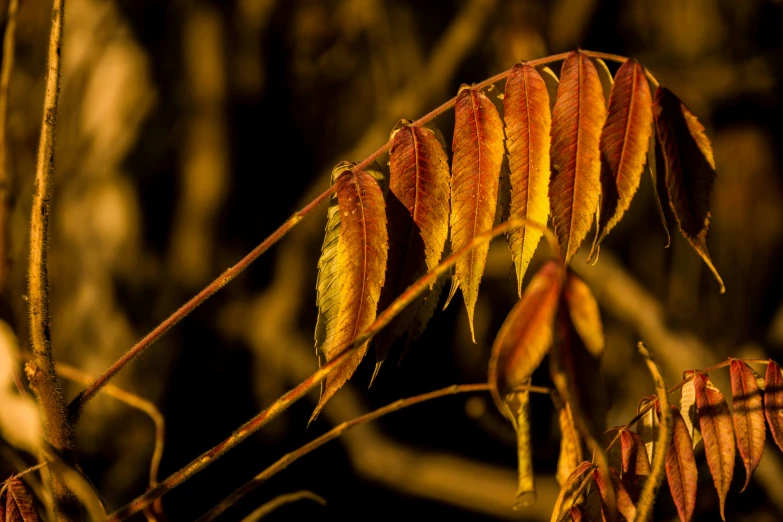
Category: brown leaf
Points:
column 527, row 118
column 625, row 505
column 681, row 470
column 747, row 416
column 773, row 401
column 570, row 442
column 526, row 489
column 625, row 139
column 579, row 115
column 526, row 335
column 478, row 153
column 690, row 170
column 571, row 486
column 418, row 221
column 20, row 505
column 635, row 466
column 362, row 257
column 718, row 434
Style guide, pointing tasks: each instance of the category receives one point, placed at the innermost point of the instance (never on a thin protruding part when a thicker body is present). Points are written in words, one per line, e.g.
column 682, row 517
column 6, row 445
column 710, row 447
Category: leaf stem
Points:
column 335, row 432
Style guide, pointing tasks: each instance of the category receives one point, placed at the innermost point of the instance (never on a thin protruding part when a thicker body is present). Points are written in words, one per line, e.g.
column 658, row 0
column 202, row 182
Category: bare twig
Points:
column 280, row 501
column 335, row 432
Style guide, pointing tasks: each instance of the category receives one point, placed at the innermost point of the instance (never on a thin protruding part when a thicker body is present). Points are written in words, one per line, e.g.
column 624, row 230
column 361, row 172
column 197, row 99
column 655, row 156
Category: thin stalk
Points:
column 281, row 501
column 282, row 403
column 335, row 432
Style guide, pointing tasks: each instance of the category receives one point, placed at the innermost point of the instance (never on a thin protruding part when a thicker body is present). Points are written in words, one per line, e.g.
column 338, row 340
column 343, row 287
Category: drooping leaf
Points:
column 656, row 166
column 526, row 489
column 418, row 219
column 773, row 401
column 19, row 504
column 570, row 487
column 362, row 253
column 690, row 170
column 527, row 119
column 570, row 442
column 718, row 433
column 648, row 426
column 635, row 466
column 625, row 139
column 688, row 408
column 478, row 153
column 681, row 470
column 747, row 416
column 625, row 505
column 525, row 337
column 577, row 119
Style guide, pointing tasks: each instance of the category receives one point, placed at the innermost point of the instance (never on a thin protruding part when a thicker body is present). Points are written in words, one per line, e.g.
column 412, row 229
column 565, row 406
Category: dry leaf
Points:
column 681, row 470
column 565, row 497
column 478, row 154
column 635, row 466
column 625, row 505
column 625, row 140
column 747, row 416
column 690, row 170
column 773, row 401
column 579, row 115
column 570, row 442
column 20, row 505
column 361, row 255
column 718, row 434
column 688, row 408
column 527, row 119
column 648, row 426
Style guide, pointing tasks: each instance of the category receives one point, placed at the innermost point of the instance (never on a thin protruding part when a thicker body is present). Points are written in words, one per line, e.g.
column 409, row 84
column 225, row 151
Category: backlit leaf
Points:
column 570, row 442
column 19, row 505
column 681, row 470
column 625, row 139
column 688, row 408
column 565, row 497
column 635, row 466
column 625, row 505
column 527, row 119
column 362, row 253
column 748, row 416
column 577, row 119
column 773, row 401
column 718, row 433
column 418, row 220
column 526, row 489
column 648, row 426
column 690, row 170
column 525, row 337
column 478, row 153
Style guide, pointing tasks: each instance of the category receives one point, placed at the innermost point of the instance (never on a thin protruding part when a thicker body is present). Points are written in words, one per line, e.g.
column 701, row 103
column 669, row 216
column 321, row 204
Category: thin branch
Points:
column 283, row 402
column 280, row 501
column 9, row 45
column 335, row 432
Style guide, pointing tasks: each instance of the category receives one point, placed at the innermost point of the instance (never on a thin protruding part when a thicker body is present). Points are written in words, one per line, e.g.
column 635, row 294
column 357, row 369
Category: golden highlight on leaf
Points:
column 526, row 489
column 565, row 498
column 648, row 426
column 570, row 442
column 773, row 401
column 362, row 253
column 748, row 416
column 528, row 121
column 579, row 115
column 690, row 170
column 688, row 408
column 625, row 139
column 19, row 505
column 478, row 153
column 681, row 470
column 718, row 434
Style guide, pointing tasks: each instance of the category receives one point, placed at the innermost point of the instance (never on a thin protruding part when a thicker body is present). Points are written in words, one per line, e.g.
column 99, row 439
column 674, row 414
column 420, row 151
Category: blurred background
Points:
column 190, row 130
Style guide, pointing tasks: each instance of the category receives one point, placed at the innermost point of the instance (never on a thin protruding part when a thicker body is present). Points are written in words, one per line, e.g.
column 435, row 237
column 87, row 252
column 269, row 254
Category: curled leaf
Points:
column 362, row 253
column 527, row 118
column 688, row 408
column 526, row 489
column 718, row 433
column 773, row 401
column 565, row 499
column 681, row 470
column 625, row 140
column 747, row 416
column 690, row 170
column 19, row 506
column 570, row 442
column 478, row 154
column 648, row 426
column 579, row 115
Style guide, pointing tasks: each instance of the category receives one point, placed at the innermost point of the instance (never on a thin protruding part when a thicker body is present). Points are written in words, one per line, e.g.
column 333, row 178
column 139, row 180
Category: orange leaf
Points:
column 418, row 222
column 478, row 154
column 690, row 170
column 20, row 506
column 526, row 335
column 570, row 442
column 635, row 466
column 748, row 417
column 569, row 488
column 576, row 514
column 681, row 470
column 773, row 401
column 362, row 255
column 625, row 140
column 718, row 434
column 579, row 115
column 625, row 505
column 527, row 118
